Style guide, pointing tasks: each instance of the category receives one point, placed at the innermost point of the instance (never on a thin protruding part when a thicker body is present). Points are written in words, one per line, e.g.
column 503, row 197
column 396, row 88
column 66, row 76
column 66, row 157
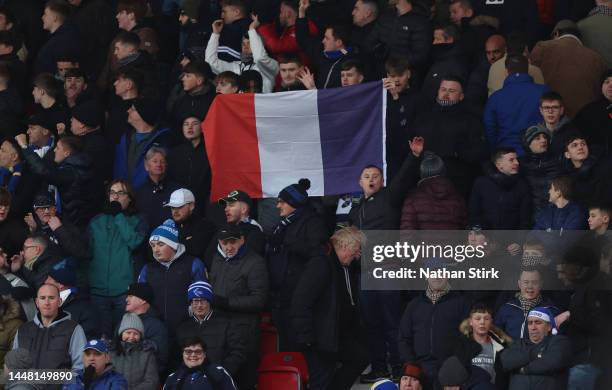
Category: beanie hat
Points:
column 200, row 290
column 452, row 372
column 64, row 273
column 18, row 359
column 43, row 120
column 384, row 384
column 607, row 73
column 295, row 194
column 148, row 109
column 414, row 370
column 143, row 291
column 544, row 314
column 88, row 113
column 432, row 165
column 532, row 132
column 131, row 321
column 191, row 8
column 166, row 233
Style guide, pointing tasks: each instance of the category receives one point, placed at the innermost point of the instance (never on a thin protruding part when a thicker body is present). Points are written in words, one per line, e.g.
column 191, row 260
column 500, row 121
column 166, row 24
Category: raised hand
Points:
column 217, row 26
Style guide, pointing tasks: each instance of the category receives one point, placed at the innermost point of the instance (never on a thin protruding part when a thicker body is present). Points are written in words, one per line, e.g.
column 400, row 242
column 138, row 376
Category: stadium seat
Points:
column 279, row 378
column 269, row 339
column 286, row 359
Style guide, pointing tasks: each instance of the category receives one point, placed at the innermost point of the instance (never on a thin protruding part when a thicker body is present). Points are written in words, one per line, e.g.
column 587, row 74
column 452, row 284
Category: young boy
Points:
column 599, row 219
column 227, row 82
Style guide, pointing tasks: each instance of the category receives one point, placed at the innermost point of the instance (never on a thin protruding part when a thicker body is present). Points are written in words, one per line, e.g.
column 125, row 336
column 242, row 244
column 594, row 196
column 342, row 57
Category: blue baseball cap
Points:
column 96, row 344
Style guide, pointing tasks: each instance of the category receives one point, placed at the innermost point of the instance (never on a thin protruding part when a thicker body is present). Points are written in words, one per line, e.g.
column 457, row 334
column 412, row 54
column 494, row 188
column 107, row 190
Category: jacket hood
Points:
column 495, row 333
column 61, row 317
column 439, row 187
column 485, row 20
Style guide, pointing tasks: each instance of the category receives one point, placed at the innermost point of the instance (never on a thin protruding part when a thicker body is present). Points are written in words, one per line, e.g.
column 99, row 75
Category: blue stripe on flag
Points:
column 352, row 126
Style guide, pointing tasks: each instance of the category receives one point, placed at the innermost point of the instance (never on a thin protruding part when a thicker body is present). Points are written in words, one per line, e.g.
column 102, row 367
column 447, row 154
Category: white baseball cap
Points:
column 180, row 198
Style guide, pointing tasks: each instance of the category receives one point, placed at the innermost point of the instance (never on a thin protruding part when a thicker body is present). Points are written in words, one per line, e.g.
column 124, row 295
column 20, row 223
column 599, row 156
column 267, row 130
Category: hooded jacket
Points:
column 205, row 377
column 58, row 346
column 170, row 281
column 466, row 349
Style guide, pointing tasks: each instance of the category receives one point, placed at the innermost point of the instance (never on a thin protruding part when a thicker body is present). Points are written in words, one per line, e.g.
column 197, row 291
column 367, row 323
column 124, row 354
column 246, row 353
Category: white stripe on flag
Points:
column 289, row 141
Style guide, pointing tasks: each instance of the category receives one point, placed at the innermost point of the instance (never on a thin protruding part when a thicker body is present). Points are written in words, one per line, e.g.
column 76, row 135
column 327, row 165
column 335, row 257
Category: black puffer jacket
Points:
column 73, row 178
column 188, row 166
column 539, row 170
column 500, row 201
column 408, row 35
column 457, row 137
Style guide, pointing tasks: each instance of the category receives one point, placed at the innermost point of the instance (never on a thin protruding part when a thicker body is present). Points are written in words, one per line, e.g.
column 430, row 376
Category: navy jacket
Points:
column 64, row 42
column 511, row 319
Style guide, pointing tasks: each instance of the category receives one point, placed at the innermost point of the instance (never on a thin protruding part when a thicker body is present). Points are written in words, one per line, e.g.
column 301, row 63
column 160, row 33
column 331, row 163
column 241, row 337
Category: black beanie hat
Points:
column 143, row 291
column 88, row 113
column 453, row 373
column 295, row 194
column 148, row 109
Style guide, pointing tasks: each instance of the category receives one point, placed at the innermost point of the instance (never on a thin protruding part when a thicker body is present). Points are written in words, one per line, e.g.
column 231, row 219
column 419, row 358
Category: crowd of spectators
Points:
column 118, row 265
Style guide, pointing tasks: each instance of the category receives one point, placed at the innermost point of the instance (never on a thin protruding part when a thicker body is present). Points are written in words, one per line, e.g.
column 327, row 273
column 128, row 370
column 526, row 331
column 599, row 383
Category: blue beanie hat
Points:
column 166, row 233
column 200, row 290
column 295, row 194
column 384, row 384
column 64, row 272
column 544, row 314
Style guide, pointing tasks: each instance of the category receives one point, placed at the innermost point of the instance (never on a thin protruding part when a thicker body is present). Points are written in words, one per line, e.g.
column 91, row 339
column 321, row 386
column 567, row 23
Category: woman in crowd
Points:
column 197, row 372
column 133, row 357
column 114, row 237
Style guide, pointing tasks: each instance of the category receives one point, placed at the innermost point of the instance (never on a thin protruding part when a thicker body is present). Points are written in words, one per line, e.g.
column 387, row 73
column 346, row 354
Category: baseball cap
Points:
column 98, row 345
column 180, row 198
column 43, row 200
column 229, row 232
column 236, row 196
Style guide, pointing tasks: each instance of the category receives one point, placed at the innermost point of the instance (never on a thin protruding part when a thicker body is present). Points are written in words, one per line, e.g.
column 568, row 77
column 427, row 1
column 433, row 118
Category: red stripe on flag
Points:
column 230, row 135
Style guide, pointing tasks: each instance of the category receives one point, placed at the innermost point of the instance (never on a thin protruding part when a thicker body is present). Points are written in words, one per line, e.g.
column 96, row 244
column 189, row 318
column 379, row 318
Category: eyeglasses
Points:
column 195, row 352
column 198, row 301
column 550, row 108
column 26, row 247
column 43, row 207
column 117, row 193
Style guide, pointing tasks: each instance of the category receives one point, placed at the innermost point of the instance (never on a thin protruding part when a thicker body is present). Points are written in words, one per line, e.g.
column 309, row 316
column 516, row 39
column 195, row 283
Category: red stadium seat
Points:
column 286, row 359
column 269, row 339
column 279, row 378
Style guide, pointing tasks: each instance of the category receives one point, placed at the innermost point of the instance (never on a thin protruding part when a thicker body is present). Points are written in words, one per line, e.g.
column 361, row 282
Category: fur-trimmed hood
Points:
column 485, row 20
column 495, row 333
column 10, row 310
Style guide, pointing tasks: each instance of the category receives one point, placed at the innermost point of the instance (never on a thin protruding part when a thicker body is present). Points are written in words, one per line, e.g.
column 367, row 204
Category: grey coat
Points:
column 137, row 364
column 540, row 366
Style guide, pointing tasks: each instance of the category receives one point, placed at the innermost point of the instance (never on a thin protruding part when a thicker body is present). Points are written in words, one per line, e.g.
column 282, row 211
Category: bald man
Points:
column 52, row 323
column 495, row 48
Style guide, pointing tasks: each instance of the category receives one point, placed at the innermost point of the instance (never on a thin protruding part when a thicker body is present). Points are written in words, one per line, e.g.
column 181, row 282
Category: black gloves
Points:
column 113, row 208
